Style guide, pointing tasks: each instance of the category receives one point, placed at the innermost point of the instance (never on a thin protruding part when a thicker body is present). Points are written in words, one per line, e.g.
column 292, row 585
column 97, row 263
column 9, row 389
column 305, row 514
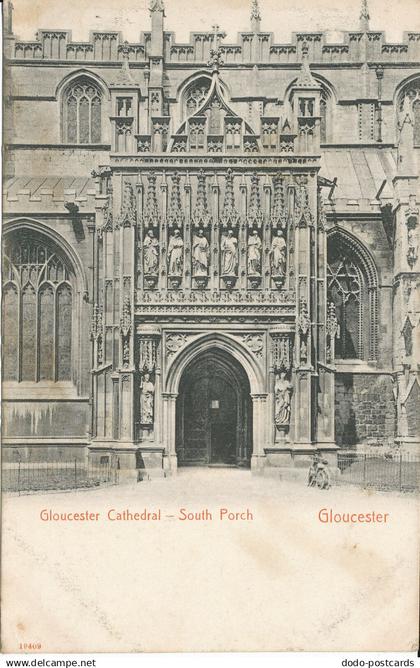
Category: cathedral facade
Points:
column 210, row 249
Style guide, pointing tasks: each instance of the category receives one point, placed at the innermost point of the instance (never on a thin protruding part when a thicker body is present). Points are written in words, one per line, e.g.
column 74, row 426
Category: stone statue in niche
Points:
column 412, row 218
column 175, row 258
column 200, row 258
column 303, row 351
column 147, row 392
column 412, row 246
column 254, row 254
column 278, row 258
column 150, row 258
column 229, row 258
column 150, row 253
column 332, row 330
column 282, row 395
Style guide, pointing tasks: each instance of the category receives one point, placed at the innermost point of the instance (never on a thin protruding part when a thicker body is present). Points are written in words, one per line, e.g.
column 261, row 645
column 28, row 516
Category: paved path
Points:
column 282, row 580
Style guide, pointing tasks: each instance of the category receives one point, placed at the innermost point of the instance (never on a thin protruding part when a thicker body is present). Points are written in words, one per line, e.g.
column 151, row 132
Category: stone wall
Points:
column 413, row 413
column 364, row 409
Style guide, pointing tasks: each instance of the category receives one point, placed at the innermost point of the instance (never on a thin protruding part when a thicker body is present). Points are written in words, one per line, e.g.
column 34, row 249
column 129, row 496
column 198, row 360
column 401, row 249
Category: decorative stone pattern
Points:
column 255, row 342
column 174, row 342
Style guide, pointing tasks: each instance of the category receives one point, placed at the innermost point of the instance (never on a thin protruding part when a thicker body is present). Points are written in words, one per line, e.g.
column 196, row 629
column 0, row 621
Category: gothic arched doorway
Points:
column 214, row 412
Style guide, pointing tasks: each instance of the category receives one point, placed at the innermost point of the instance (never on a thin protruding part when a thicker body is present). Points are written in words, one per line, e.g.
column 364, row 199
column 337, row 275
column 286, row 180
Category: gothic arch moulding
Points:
column 76, row 74
column 213, row 341
column 351, row 242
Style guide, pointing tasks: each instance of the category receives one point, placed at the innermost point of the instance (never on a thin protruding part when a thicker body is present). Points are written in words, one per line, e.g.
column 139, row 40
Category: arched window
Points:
column 352, row 287
column 82, row 112
column 409, row 103
column 37, row 309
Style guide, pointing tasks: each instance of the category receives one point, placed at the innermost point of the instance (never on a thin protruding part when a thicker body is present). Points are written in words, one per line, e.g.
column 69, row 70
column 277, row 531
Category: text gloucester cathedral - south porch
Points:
column 211, row 249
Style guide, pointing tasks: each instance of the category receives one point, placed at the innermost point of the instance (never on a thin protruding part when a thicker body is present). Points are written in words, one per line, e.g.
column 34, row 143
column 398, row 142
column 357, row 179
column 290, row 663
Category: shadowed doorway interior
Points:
column 214, row 412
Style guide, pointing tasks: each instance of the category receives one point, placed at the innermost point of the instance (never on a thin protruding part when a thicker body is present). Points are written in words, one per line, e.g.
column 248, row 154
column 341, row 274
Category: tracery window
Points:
column 345, row 288
column 37, row 310
column 82, row 112
column 354, row 295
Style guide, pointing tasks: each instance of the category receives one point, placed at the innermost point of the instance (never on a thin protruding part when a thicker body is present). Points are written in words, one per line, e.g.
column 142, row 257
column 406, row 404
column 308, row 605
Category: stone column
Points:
column 302, row 395
column 214, row 236
column 169, row 431
column 260, row 421
column 325, row 334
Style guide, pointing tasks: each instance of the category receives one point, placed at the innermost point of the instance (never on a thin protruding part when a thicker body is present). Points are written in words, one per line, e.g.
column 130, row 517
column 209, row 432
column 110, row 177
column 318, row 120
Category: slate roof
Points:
column 360, row 173
column 55, row 187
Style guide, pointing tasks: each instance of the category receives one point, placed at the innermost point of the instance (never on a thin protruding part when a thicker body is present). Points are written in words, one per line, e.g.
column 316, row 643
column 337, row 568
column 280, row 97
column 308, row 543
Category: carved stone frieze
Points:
column 205, row 297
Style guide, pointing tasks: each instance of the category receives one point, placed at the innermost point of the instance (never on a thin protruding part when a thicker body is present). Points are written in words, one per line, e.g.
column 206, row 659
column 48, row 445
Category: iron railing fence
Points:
column 26, row 477
column 390, row 471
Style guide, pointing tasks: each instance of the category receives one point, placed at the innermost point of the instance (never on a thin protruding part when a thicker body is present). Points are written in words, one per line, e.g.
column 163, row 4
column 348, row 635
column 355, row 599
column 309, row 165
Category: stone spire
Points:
column 8, row 18
column 216, row 59
column 364, row 17
column 157, row 6
column 201, row 216
column 255, row 17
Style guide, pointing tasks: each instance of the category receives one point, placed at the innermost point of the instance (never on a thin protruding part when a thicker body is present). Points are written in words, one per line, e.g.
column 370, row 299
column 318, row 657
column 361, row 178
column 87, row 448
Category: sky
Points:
column 183, row 16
